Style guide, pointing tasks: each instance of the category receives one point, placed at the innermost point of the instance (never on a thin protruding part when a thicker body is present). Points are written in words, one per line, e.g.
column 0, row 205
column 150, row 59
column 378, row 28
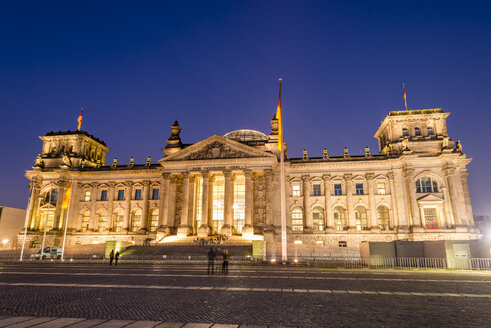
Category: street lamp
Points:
column 4, row 242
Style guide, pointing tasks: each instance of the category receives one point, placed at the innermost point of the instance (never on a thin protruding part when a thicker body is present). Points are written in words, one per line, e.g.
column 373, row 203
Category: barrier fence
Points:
column 314, row 262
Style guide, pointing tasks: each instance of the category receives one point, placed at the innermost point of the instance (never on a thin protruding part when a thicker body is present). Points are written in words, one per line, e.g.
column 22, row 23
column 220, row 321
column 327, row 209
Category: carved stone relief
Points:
column 217, row 150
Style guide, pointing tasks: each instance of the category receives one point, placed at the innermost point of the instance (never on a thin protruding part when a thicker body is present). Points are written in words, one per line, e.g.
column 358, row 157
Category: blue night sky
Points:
column 213, row 65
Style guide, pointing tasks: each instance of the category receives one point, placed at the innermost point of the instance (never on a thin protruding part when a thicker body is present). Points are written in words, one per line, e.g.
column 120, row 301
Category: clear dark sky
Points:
column 214, row 65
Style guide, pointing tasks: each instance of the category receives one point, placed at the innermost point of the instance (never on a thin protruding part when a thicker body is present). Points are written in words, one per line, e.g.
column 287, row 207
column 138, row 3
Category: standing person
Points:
column 211, row 261
column 111, row 257
column 116, row 258
column 225, row 256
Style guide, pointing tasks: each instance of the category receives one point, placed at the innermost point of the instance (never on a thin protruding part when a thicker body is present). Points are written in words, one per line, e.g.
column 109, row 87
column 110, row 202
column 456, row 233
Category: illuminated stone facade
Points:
column 415, row 188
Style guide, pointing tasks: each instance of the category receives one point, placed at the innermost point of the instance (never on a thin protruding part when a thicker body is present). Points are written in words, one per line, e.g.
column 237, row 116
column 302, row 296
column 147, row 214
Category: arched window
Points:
column 101, row 220
column 383, row 218
column 426, row 185
column 318, row 219
column 405, row 132
column 154, row 219
column 85, row 219
column 136, row 219
column 417, row 132
column 340, row 219
column 118, row 219
column 429, row 130
column 361, row 218
column 297, row 220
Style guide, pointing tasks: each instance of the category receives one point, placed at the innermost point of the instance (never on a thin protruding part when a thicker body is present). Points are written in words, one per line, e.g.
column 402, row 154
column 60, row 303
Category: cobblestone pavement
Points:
column 274, row 296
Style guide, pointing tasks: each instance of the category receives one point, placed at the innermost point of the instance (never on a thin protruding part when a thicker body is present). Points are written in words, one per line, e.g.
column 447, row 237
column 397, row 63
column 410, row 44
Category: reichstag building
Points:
column 413, row 188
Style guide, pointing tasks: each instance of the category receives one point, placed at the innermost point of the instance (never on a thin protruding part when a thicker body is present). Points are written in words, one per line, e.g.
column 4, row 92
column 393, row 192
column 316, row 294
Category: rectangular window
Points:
column 381, row 188
column 87, row 196
column 337, row 190
column 317, row 190
column 104, row 195
column 138, row 194
column 342, row 244
column 359, row 188
column 431, row 218
column 54, row 195
column 296, row 190
column 120, row 194
column 155, row 193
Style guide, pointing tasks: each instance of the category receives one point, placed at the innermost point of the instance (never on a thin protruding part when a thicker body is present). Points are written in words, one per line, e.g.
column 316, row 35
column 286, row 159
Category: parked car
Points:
column 48, row 253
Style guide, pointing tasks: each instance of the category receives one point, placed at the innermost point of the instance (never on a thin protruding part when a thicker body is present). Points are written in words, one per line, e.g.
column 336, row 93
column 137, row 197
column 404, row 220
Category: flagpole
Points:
column 46, row 224
column 66, row 224
column 284, row 252
column 26, row 222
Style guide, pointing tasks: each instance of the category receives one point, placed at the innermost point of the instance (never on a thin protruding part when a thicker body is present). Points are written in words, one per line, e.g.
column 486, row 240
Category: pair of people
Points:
column 211, row 261
column 113, row 257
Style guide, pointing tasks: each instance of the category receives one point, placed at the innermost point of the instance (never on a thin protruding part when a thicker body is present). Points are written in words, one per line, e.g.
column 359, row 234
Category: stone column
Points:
column 93, row 216
column 349, row 202
column 269, row 212
column 35, row 200
column 461, row 198
column 400, row 195
column 145, row 224
column 59, row 200
column 453, row 199
column 411, row 188
column 191, row 201
column 394, row 219
column 171, row 223
column 447, row 209
column 247, row 230
column 127, row 201
column 110, row 206
column 467, row 197
column 211, row 179
column 204, row 229
column 228, row 202
column 73, row 207
column 183, row 229
column 371, row 202
column 308, row 221
column 164, row 203
column 327, row 203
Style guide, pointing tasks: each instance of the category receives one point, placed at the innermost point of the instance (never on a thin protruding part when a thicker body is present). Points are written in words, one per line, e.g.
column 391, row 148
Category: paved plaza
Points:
column 80, row 295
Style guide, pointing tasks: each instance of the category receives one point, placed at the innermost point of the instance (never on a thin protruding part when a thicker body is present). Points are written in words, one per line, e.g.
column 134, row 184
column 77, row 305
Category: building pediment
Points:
column 430, row 199
column 217, row 147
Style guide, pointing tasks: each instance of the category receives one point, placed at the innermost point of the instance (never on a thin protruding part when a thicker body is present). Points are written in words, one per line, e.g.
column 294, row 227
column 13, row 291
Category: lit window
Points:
column 337, row 190
column 154, row 219
column 383, row 218
column 359, row 188
column 431, row 218
column 101, row 220
column 239, row 203
column 218, row 204
column 361, row 218
column 87, row 196
column 405, row 132
column 417, row 132
column 426, row 185
column 104, row 195
column 318, row 219
column 120, row 194
column 85, row 220
column 297, row 220
column 296, row 190
column 381, row 188
column 317, row 190
column 430, row 131
column 138, row 194
column 155, row 193
column 136, row 218
column 340, row 219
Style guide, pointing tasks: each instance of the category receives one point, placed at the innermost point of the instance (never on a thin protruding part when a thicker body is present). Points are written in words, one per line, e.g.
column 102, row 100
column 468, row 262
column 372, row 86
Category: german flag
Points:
column 66, row 200
column 404, row 88
column 280, row 122
column 79, row 119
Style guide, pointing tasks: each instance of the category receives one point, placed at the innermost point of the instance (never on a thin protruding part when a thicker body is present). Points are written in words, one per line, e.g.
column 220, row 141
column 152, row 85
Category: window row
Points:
column 417, row 132
column 135, row 220
column 340, row 222
column 338, row 189
column 120, row 195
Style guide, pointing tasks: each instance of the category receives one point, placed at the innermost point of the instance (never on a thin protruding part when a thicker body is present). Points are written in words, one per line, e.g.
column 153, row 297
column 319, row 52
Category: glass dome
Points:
column 244, row 135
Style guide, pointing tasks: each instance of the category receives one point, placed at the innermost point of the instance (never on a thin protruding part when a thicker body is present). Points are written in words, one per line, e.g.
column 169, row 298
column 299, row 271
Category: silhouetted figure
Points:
column 111, row 257
column 225, row 256
column 116, row 258
column 211, row 261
